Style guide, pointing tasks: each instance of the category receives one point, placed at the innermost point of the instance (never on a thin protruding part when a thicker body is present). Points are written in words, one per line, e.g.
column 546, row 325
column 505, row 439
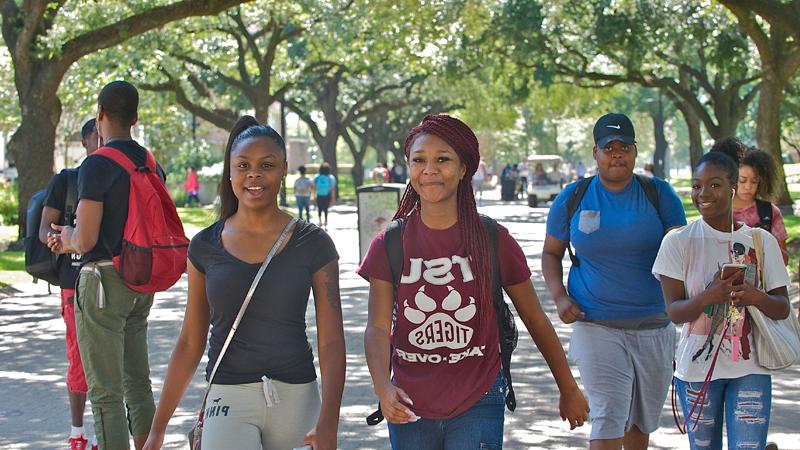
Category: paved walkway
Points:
column 34, row 413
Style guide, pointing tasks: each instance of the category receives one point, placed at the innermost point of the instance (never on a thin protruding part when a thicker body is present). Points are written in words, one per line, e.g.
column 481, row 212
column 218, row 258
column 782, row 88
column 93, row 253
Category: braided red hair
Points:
column 459, row 136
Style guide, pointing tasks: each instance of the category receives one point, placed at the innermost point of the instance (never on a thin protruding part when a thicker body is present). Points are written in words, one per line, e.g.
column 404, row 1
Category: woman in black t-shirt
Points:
column 264, row 393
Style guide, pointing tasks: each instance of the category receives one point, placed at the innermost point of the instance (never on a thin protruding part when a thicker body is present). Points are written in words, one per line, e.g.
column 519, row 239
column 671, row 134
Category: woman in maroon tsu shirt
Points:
column 437, row 327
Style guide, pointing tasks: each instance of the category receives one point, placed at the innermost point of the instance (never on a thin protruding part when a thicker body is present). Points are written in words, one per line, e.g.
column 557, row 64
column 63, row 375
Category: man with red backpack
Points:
column 121, row 189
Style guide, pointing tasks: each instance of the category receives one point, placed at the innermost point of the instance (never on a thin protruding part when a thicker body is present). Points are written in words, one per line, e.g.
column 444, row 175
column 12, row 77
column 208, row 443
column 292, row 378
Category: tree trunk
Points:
column 695, row 133
column 328, row 148
column 660, row 152
column 32, row 146
column 768, row 132
column 358, row 171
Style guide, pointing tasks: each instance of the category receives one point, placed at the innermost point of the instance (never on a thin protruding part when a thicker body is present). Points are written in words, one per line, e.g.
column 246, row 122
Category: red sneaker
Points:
column 78, row 443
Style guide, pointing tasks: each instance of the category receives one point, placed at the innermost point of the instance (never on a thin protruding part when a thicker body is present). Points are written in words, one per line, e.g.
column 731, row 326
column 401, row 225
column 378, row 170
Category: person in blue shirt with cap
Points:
column 622, row 341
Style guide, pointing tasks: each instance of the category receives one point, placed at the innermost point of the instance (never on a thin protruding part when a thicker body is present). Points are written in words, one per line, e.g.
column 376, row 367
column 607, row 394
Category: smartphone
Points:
column 730, row 270
column 305, row 447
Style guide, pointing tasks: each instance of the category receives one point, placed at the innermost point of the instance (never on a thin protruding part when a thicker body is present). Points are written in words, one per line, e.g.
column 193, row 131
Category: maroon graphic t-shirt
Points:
column 441, row 358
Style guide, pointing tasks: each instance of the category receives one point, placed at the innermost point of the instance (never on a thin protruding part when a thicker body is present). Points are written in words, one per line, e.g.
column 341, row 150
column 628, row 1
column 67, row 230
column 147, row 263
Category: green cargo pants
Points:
column 111, row 321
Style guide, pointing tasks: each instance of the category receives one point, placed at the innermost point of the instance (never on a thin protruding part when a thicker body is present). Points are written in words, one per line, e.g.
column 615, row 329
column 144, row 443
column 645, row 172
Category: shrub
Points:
column 9, row 203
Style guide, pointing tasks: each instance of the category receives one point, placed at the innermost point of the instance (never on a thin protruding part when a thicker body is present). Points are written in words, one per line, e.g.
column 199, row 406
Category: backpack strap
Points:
column 499, row 305
column 123, row 161
column 572, row 207
column 764, row 209
column 647, row 184
column 393, row 241
column 72, row 195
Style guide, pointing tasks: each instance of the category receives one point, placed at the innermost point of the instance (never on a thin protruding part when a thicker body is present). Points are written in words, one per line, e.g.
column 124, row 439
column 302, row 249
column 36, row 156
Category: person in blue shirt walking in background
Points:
column 622, row 341
column 325, row 190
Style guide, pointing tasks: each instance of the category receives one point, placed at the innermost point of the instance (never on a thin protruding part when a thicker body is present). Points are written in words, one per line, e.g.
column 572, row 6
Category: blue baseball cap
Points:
column 613, row 127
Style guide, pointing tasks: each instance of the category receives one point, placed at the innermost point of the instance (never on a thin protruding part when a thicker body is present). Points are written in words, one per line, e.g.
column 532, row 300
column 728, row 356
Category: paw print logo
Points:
column 440, row 329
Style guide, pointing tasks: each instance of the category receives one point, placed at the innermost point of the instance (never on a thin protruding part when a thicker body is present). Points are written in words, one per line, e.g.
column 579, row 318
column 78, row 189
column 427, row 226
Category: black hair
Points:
column 325, row 169
column 722, row 161
column 302, row 170
column 88, row 127
column 731, row 147
column 764, row 165
column 246, row 127
column 119, row 100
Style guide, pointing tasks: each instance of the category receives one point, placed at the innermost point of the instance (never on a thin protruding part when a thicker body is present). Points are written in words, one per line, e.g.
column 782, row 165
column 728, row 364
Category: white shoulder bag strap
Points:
column 247, row 299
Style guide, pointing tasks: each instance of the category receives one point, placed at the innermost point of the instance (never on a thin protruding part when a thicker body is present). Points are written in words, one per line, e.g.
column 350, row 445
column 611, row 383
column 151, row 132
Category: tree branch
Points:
column 776, row 13
column 222, row 118
column 115, row 33
column 748, row 24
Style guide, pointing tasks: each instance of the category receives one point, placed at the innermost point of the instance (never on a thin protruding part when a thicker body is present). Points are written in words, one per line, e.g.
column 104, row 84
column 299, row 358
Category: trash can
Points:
column 507, row 189
column 376, row 205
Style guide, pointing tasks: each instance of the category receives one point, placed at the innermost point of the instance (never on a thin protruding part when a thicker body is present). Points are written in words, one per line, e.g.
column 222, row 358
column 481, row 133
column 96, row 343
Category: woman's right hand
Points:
column 154, row 441
column 393, row 405
column 568, row 309
column 723, row 290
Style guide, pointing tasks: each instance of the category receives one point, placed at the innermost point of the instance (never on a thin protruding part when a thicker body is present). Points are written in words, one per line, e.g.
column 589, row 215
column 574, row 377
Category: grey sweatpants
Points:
column 237, row 416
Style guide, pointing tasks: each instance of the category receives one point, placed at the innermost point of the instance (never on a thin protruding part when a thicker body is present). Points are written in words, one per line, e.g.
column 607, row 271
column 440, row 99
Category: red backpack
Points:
column 154, row 246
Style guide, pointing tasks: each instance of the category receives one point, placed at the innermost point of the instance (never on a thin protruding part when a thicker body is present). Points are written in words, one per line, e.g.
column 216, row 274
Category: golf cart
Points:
column 545, row 180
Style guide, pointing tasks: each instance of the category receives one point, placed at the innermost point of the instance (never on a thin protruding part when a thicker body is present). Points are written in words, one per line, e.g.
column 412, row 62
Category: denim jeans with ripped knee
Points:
column 745, row 403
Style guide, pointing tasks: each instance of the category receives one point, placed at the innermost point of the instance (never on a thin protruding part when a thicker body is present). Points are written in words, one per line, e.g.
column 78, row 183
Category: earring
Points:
column 230, row 178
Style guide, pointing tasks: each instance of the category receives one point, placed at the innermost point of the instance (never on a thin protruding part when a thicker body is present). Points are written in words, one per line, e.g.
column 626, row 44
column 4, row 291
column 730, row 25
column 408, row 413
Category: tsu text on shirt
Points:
column 436, row 336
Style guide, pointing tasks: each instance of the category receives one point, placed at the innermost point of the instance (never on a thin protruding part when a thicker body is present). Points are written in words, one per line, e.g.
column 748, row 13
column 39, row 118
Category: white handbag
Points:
column 777, row 342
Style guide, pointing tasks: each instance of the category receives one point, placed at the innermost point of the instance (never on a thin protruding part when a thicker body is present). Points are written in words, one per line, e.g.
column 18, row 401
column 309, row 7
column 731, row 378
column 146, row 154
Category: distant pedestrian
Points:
column 524, row 176
column 380, row 174
column 580, row 170
column 325, row 192
column 302, row 193
column 192, row 187
column 56, row 211
column 434, row 323
column 478, row 180
column 398, row 173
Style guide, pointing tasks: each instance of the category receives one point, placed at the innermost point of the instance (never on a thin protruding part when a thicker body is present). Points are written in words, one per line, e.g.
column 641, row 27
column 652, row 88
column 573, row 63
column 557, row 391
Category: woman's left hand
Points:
column 747, row 295
column 321, row 438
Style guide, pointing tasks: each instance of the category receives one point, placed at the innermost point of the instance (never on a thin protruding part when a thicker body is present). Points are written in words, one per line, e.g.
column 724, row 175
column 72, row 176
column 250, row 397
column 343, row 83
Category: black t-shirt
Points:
column 69, row 265
column 271, row 339
column 102, row 180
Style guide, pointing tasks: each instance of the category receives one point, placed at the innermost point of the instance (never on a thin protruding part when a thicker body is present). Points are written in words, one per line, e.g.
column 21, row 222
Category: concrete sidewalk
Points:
column 34, row 414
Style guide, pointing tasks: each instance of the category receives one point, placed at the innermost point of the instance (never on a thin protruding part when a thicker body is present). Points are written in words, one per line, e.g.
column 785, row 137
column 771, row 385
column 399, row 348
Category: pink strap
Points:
column 701, row 396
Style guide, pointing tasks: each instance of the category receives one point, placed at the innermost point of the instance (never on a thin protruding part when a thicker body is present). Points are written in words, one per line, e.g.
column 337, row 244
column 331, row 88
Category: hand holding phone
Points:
column 732, row 271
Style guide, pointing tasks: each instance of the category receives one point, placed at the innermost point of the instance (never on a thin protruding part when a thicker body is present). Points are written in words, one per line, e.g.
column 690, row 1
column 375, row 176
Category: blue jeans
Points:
column 480, row 427
column 746, row 404
column 303, row 202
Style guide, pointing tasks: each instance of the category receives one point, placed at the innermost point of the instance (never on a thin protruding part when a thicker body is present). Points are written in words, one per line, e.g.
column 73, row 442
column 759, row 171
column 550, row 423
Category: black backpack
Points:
column 39, row 260
column 764, row 215
column 393, row 241
column 574, row 201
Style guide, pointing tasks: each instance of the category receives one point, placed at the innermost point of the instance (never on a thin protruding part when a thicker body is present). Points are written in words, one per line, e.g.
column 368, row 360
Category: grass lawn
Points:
column 195, row 219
